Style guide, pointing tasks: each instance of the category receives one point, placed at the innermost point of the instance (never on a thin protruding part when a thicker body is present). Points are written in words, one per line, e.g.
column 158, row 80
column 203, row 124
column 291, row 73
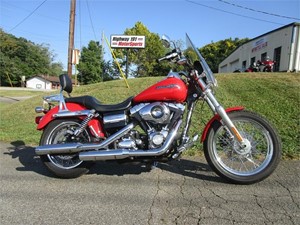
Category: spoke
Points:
column 243, row 164
column 252, row 161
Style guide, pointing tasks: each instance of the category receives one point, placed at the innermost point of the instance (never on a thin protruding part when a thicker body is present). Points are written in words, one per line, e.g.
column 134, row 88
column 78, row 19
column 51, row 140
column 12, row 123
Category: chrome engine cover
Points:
column 127, row 143
column 157, row 138
column 156, row 112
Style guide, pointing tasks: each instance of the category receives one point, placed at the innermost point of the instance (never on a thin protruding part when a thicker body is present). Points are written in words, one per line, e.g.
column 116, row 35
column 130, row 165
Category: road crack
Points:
column 290, row 194
column 150, row 218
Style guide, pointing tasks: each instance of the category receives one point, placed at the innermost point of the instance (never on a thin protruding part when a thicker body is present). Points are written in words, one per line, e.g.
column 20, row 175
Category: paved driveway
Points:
column 185, row 192
column 13, row 99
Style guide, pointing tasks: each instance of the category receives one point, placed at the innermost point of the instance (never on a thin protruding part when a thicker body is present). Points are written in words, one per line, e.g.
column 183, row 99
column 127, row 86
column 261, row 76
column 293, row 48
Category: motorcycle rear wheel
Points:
column 64, row 165
column 243, row 167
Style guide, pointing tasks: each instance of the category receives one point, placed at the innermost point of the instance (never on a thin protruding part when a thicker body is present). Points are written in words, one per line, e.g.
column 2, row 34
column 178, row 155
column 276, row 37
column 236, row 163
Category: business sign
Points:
column 259, row 44
column 127, row 41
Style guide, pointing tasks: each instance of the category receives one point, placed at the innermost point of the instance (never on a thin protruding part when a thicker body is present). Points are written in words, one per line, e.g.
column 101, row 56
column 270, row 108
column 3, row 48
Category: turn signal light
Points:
column 38, row 119
column 39, row 109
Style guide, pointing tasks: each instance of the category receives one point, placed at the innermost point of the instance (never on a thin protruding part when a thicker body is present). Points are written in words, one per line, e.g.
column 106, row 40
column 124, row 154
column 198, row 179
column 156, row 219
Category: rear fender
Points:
column 218, row 118
column 94, row 124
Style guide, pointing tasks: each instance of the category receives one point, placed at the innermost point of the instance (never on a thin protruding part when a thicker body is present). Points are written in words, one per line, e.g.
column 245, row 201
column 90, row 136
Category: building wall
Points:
column 285, row 40
column 295, row 50
column 38, row 83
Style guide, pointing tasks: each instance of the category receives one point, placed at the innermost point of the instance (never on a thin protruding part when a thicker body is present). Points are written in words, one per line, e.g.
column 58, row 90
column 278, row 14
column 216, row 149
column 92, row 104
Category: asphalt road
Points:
column 184, row 192
column 5, row 99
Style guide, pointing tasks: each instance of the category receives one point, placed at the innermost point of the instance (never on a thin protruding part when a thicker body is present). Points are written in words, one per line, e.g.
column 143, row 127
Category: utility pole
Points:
column 71, row 36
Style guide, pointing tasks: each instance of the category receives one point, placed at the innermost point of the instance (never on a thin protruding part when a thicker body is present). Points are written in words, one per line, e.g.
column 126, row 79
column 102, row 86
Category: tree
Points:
column 56, row 68
column 110, row 71
column 90, row 66
column 20, row 57
column 142, row 61
column 215, row 53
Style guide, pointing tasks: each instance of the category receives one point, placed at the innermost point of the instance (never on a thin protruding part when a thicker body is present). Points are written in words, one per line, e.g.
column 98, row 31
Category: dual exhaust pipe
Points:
column 87, row 151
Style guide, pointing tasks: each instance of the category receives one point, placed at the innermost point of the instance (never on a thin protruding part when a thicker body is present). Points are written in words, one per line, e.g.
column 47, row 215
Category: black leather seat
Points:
column 92, row 103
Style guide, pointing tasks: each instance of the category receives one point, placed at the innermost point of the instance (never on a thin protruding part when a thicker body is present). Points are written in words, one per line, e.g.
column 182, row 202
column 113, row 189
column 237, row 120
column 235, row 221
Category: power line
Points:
column 236, row 14
column 24, row 9
column 255, row 10
column 88, row 7
column 30, row 14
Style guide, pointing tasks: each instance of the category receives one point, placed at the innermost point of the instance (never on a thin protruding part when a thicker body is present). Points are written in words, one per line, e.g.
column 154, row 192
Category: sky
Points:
column 47, row 21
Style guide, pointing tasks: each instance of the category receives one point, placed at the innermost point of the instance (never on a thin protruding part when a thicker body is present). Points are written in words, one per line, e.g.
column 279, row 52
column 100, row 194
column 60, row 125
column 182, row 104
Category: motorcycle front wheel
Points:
column 223, row 153
column 64, row 165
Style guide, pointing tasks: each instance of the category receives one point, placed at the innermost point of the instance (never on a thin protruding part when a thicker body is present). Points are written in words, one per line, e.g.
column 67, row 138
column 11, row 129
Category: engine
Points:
column 155, row 119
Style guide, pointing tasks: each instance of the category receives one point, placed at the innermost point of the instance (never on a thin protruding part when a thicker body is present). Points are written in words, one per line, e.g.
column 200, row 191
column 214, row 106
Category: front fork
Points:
column 225, row 120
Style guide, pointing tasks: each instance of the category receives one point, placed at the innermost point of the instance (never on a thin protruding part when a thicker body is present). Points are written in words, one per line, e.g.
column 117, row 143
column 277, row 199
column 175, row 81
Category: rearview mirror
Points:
column 165, row 41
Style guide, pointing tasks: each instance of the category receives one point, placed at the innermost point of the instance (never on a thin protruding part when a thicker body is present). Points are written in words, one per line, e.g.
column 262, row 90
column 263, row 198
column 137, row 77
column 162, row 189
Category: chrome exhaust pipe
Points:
column 125, row 153
column 78, row 147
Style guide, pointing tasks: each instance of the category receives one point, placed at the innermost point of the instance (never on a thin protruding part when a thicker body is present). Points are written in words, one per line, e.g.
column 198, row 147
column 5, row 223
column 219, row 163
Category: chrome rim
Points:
column 61, row 134
column 227, row 151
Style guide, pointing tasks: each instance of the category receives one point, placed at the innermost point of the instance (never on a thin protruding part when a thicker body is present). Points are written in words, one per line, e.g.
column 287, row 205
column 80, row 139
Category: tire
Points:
column 64, row 165
column 243, row 167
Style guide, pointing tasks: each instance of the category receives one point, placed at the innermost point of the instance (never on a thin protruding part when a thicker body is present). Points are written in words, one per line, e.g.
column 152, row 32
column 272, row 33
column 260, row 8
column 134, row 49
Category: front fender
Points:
column 217, row 117
column 48, row 117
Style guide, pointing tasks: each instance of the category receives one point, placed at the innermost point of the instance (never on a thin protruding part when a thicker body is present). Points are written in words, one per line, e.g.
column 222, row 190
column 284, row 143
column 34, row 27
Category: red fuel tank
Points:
column 170, row 89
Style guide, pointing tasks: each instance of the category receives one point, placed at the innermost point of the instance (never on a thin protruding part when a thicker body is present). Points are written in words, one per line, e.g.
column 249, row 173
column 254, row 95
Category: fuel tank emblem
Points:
column 169, row 86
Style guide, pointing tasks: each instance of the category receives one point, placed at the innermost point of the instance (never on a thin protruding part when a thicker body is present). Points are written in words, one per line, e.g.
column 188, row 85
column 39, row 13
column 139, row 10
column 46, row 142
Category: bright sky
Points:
column 47, row 21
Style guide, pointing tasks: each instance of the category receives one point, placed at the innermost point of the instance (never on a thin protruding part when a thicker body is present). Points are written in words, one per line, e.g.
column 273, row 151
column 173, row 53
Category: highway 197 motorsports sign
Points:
column 127, row 41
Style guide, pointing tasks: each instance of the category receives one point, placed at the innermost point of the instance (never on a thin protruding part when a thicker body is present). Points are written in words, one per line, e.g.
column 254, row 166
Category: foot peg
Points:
column 185, row 146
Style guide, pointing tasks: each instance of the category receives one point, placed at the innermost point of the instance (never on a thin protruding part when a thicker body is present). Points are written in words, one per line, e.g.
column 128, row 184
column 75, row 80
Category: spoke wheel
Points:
column 64, row 165
column 248, row 164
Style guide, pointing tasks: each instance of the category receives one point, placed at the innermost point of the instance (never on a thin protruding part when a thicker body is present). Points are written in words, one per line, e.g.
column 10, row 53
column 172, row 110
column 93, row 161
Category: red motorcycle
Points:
column 254, row 67
column 268, row 65
column 153, row 126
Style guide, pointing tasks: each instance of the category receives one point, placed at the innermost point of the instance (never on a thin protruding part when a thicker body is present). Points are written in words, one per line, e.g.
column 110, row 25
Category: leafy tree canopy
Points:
column 20, row 57
column 91, row 65
column 215, row 52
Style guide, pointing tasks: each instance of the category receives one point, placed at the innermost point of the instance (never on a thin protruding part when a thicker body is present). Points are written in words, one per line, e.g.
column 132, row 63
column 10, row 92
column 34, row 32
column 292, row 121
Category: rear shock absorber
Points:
column 85, row 122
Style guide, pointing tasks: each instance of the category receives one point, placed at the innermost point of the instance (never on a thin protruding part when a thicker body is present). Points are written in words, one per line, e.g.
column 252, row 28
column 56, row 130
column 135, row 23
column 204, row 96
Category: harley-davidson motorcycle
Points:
column 153, row 126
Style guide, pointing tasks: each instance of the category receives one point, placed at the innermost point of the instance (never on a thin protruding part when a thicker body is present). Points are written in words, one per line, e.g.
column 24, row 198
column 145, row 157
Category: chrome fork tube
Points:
column 217, row 108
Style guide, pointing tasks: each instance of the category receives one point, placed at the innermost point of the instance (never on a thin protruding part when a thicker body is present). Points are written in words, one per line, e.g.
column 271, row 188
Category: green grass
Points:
column 2, row 104
column 276, row 96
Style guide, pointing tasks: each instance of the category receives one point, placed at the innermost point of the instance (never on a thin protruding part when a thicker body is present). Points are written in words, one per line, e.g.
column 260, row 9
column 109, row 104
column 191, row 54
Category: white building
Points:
column 43, row 82
column 281, row 45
